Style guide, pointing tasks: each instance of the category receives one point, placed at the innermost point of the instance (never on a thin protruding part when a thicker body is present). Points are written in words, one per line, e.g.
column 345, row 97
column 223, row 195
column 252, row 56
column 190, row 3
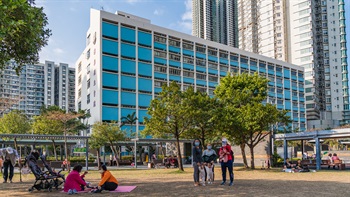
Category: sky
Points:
column 69, row 21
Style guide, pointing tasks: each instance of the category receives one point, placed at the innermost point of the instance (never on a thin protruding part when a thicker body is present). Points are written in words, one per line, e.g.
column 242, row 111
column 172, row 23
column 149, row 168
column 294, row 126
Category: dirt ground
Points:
column 170, row 182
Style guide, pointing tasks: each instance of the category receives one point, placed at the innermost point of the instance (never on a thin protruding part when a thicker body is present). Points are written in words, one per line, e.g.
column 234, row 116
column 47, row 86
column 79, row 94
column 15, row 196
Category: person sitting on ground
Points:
column 108, row 181
column 287, row 167
column 74, row 181
column 298, row 167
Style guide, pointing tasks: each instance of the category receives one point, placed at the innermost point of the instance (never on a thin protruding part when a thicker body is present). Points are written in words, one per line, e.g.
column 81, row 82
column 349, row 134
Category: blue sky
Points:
column 69, row 21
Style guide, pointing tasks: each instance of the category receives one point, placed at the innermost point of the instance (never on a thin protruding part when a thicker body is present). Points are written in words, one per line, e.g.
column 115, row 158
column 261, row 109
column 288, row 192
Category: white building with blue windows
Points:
column 127, row 60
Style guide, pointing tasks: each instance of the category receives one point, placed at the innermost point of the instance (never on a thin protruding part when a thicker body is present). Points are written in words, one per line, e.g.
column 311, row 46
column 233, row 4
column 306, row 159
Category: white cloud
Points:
column 132, row 1
column 186, row 19
column 58, row 51
column 158, row 12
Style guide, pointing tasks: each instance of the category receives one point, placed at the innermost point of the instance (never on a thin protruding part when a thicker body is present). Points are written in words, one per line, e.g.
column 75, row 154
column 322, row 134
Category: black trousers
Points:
column 110, row 186
column 7, row 164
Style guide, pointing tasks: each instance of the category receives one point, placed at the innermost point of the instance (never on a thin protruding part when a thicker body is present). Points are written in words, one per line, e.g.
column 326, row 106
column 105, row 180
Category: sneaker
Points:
column 4, row 181
column 74, row 191
column 10, row 181
column 70, row 192
column 97, row 191
column 231, row 183
column 223, row 183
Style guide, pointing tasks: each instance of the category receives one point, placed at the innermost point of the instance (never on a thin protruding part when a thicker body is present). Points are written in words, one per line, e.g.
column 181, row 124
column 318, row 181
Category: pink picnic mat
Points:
column 120, row 189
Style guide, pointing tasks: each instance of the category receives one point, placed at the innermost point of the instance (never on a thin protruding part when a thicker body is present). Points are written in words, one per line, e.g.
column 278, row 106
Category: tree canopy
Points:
column 23, row 32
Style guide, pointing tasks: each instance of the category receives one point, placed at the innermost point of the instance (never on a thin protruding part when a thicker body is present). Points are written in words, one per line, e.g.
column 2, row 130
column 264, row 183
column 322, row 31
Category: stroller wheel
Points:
column 30, row 189
column 50, row 189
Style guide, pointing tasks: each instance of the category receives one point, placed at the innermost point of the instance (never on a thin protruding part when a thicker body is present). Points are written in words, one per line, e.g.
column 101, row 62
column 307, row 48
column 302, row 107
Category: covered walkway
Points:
column 314, row 135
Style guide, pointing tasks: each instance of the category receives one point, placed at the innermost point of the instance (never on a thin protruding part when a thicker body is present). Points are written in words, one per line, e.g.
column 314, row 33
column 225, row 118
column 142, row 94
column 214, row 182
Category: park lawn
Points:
column 170, row 182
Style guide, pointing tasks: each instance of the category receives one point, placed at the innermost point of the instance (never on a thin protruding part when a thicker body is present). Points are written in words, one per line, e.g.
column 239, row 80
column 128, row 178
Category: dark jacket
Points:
column 197, row 154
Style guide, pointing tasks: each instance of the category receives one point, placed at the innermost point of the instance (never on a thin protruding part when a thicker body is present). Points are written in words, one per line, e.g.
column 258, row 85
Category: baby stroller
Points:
column 43, row 180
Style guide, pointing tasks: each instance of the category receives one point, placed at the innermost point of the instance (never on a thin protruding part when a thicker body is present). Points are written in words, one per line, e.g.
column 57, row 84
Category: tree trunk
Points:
column 65, row 145
column 54, row 149
column 15, row 143
column 179, row 158
column 244, row 157
column 252, row 164
column 98, row 159
column 114, row 152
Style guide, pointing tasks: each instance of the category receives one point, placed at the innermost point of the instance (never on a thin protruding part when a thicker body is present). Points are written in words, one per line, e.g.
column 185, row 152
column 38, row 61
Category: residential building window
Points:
column 88, row 54
column 88, row 83
column 88, row 99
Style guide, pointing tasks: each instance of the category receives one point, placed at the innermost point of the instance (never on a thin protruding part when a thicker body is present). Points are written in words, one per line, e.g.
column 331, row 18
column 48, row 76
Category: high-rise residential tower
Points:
column 37, row 85
column 308, row 33
column 216, row 20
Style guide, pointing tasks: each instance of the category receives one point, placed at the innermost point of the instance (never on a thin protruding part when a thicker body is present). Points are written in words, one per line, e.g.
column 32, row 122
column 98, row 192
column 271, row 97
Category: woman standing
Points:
column 196, row 160
column 226, row 161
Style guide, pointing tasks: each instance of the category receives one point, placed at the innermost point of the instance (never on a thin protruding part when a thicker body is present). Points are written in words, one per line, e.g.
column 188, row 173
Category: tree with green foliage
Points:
column 44, row 126
column 108, row 132
column 233, row 93
column 257, row 119
column 201, row 107
column 23, row 32
column 14, row 122
column 169, row 116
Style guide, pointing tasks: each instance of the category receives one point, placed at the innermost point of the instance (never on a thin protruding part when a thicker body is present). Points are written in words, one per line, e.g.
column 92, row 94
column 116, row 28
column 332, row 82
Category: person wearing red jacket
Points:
column 74, row 180
column 226, row 160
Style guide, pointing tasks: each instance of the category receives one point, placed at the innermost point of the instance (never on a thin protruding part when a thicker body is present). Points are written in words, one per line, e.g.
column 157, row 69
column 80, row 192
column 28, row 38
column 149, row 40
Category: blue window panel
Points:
column 200, row 82
column 279, row 106
column 142, row 114
column 254, row 68
column 145, row 100
column 145, row 54
column 130, row 130
column 287, row 94
column 296, row 119
column 188, row 66
column 145, row 84
column 287, row 105
column 128, row 66
column 295, row 109
column 174, row 49
column 175, row 78
column 294, row 88
column 287, row 83
column 110, row 113
column 294, row 77
column 301, row 89
column 271, row 72
column 213, row 84
column 262, row 70
column 109, row 63
column 129, row 82
column 295, row 98
column 160, row 60
column 110, row 47
column 126, row 112
column 174, row 63
column 301, row 79
column 159, row 46
column 302, row 109
column 272, row 94
column 279, row 74
column 212, row 58
column 289, row 114
column 145, row 69
column 187, row 52
column 223, row 73
column 109, row 97
column 201, row 55
column 160, row 76
column 144, row 38
column 244, row 65
column 188, row 80
column 279, row 85
column 201, row 69
column 128, row 50
column 271, row 83
column 301, row 99
column 279, row 95
column 224, row 61
column 110, row 80
column 128, row 34
column 302, row 119
column 128, row 98
column 110, row 30
column 286, row 73
column 212, row 71
column 157, row 90
column 234, row 64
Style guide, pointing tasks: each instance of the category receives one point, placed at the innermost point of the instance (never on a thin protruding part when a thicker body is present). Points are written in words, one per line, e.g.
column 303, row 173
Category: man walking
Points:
column 10, row 156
